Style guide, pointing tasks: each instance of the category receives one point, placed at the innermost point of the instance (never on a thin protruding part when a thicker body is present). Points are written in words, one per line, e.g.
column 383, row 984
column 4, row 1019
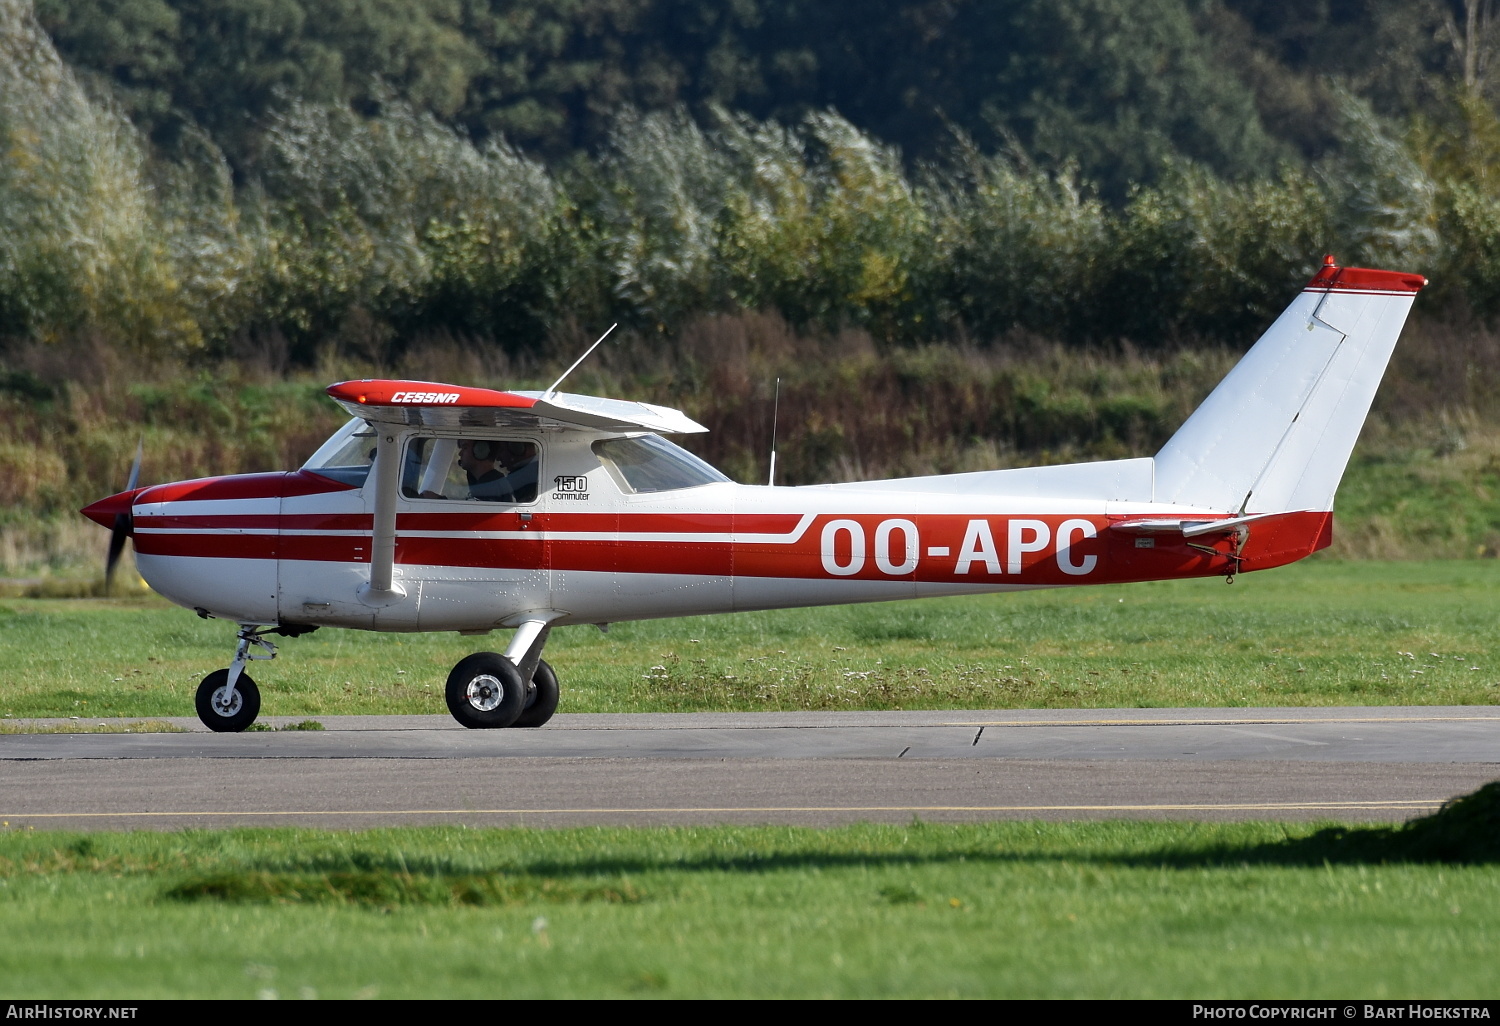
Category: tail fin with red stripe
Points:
column 1276, row 434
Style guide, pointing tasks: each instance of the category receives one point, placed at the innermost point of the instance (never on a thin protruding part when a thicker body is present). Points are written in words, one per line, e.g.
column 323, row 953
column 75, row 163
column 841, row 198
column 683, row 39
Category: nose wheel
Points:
column 226, row 709
column 228, row 700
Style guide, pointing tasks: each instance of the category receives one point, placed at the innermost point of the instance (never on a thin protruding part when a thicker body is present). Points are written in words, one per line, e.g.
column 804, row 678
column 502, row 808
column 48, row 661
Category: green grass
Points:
column 996, row 910
column 1428, row 491
column 1319, row 633
column 113, row 727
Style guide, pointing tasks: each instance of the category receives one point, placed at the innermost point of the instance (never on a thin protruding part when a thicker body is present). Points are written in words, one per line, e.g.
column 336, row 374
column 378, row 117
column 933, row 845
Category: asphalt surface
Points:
column 1363, row 764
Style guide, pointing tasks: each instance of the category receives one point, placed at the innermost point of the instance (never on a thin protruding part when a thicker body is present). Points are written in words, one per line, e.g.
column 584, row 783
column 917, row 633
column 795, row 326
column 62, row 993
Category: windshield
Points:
column 650, row 463
column 347, row 456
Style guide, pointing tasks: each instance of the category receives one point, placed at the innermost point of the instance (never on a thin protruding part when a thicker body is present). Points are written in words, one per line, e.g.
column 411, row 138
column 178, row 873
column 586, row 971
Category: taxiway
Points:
column 1370, row 764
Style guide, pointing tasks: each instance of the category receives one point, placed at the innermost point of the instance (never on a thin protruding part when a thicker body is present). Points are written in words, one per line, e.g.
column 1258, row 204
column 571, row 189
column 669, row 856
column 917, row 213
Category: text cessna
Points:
column 426, row 398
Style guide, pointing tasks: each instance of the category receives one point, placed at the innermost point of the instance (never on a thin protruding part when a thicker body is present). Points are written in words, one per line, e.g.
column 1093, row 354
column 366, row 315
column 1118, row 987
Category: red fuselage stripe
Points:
column 934, row 548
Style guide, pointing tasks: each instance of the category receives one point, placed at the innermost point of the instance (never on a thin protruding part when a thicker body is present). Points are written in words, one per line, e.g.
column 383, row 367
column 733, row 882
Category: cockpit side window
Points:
column 650, row 463
column 478, row 469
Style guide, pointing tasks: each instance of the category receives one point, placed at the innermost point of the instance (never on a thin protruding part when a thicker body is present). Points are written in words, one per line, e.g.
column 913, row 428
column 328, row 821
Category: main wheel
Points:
column 227, row 713
column 485, row 690
column 541, row 697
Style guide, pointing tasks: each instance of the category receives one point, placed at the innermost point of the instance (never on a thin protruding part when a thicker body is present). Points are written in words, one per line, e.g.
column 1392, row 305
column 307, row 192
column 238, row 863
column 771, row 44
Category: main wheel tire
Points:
column 541, row 697
column 485, row 691
column 238, row 713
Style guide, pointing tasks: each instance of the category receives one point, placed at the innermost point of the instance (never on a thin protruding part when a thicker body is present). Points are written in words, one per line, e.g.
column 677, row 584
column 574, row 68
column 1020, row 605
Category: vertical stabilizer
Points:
column 1277, row 433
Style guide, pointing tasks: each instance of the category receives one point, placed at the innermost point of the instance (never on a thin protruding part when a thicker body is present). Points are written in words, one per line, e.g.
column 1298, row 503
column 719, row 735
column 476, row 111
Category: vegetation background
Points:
column 964, row 233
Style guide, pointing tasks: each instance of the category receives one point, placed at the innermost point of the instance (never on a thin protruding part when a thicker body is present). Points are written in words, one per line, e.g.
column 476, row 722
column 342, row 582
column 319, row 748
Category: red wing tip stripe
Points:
column 382, row 392
column 1333, row 278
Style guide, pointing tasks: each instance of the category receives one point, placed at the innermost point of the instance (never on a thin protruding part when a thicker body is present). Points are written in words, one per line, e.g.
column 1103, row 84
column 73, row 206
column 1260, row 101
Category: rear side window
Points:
column 650, row 463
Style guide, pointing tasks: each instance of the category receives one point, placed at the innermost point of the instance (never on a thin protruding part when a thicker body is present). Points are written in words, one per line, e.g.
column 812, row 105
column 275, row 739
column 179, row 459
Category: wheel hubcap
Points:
column 226, row 702
column 484, row 692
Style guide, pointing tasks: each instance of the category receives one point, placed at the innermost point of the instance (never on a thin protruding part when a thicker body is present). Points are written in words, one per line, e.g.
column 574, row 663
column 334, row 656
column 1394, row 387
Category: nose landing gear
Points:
column 228, row 700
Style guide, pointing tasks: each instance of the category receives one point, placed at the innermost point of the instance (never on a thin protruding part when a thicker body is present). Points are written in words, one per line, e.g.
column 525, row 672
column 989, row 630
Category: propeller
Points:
column 123, row 524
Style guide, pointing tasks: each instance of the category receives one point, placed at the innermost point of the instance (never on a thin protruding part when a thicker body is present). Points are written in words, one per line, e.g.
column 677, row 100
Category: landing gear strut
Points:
column 517, row 689
column 228, row 700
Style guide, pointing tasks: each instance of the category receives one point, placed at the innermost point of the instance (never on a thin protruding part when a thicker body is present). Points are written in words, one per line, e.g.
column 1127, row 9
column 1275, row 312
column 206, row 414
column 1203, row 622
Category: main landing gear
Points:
column 485, row 690
column 517, row 689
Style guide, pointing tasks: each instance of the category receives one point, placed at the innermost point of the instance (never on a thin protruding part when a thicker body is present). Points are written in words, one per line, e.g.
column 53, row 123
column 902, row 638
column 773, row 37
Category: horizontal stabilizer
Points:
column 1186, row 528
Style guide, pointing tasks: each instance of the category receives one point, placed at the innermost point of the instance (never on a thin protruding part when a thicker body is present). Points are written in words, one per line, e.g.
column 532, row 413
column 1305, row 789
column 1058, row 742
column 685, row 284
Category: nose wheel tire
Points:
column 541, row 699
column 485, row 691
column 226, row 712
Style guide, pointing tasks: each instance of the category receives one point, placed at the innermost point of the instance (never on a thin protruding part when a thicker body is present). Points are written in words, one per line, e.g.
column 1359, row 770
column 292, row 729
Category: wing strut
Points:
column 382, row 589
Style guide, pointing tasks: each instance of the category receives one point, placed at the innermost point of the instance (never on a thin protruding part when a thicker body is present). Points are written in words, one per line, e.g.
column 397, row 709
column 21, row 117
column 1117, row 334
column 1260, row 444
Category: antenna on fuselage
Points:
column 553, row 387
column 775, row 413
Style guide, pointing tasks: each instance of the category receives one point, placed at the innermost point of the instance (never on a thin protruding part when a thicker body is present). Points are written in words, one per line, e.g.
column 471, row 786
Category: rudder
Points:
column 1277, row 432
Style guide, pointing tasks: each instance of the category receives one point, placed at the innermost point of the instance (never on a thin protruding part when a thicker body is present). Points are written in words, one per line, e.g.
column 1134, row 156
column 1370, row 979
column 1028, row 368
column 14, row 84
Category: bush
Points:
column 83, row 244
column 400, row 218
column 1200, row 258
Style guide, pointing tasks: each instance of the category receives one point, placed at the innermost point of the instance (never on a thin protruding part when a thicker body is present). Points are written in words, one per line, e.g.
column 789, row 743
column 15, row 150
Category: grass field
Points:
column 1000, row 910
column 996, row 910
column 1319, row 633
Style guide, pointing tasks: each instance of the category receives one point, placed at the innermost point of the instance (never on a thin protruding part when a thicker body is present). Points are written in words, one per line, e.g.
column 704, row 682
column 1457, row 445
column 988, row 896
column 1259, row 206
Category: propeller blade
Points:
column 135, row 468
column 124, row 523
column 117, row 536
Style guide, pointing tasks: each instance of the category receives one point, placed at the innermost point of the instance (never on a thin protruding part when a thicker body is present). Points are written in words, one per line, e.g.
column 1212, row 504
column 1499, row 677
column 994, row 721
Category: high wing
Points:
column 433, row 404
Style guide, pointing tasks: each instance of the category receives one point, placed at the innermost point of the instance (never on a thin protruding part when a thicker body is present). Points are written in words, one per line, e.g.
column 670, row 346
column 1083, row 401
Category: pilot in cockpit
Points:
column 490, row 466
column 484, row 469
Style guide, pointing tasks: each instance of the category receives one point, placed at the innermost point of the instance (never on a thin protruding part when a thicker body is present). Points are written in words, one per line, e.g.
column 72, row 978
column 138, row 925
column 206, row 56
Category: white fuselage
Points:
column 295, row 548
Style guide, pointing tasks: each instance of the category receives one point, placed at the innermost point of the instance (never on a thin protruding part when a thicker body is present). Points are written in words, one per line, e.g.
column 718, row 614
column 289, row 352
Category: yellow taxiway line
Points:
column 1215, row 722
column 1178, row 807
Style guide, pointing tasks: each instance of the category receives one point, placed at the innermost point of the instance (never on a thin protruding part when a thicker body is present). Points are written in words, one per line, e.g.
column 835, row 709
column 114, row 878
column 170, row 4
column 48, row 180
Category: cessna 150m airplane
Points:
column 447, row 508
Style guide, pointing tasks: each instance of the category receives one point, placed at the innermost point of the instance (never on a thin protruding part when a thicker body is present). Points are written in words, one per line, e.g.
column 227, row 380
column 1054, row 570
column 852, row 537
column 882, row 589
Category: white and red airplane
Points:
column 447, row 508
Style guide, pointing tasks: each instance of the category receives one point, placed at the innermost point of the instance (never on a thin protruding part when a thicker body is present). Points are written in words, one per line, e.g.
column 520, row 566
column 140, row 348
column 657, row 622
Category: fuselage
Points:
column 590, row 546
